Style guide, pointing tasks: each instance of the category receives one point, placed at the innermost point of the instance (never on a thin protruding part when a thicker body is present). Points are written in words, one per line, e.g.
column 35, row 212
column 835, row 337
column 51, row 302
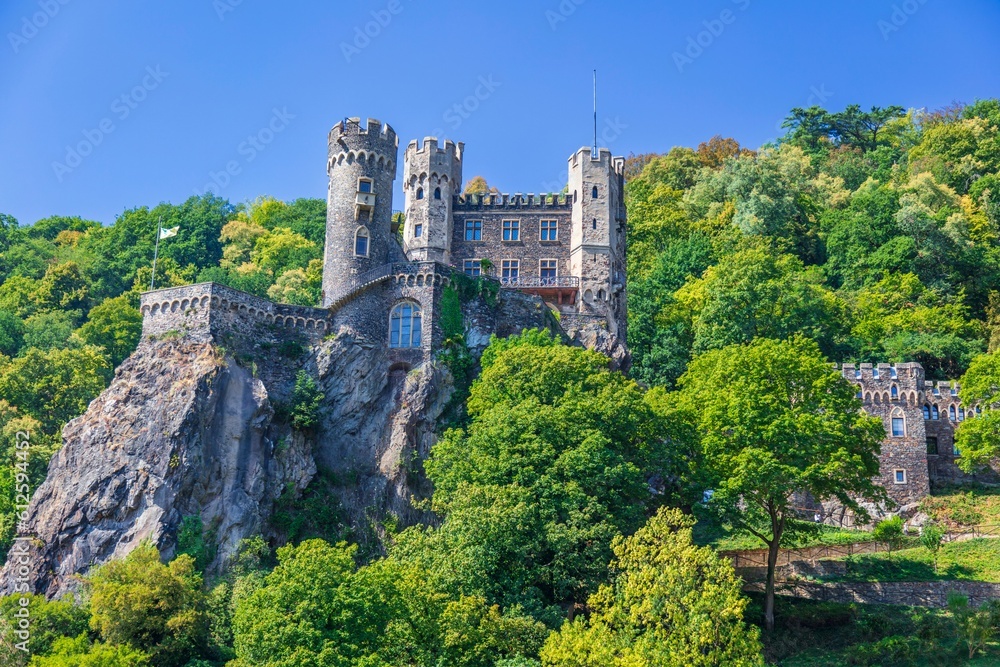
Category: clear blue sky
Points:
column 225, row 66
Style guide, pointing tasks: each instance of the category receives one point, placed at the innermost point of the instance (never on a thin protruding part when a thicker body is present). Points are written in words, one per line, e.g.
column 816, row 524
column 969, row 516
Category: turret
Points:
column 431, row 176
column 359, row 239
column 597, row 244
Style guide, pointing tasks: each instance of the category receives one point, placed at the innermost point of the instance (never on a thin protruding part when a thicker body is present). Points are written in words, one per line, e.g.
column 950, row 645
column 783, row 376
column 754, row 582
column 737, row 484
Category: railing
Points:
column 536, row 282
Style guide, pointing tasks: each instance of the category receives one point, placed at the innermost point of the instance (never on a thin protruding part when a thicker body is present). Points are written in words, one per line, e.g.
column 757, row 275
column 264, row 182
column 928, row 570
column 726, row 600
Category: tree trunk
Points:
column 772, row 562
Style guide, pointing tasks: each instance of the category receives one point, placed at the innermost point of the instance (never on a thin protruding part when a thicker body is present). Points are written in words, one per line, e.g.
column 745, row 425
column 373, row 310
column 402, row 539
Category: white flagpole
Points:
column 156, row 252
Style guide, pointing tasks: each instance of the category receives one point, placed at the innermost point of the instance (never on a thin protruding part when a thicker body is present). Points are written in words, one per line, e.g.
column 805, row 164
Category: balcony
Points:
column 556, row 289
column 366, row 200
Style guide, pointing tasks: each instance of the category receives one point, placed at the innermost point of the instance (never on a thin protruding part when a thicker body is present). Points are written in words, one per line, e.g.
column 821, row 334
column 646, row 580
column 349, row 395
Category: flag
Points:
column 167, row 233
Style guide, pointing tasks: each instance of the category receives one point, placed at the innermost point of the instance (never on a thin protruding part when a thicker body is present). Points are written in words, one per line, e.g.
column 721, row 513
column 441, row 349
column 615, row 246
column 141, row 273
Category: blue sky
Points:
column 161, row 96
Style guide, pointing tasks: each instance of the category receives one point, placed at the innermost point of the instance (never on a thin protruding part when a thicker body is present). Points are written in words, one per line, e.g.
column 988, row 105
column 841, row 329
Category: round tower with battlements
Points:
column 432, row 174
column 359, row 239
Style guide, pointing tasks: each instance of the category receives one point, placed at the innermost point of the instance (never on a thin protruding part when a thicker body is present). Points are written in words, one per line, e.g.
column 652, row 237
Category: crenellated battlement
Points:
column 605, row 158
column 514, row 201
column 373, row 129
column 431, row 146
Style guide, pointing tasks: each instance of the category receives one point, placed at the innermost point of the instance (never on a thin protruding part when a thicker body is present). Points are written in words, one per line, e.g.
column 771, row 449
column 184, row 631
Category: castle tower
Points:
column 431, row 176
column 597, row 243
column 362, row 168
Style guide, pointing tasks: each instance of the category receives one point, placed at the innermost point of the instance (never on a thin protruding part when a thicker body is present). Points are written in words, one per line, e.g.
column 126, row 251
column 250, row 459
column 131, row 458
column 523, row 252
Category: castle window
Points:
column 365, row 186
column 593, row 193
column 361, row 242
column 951, row 413
column 404, row 325
column 899, row 476
column 934, row 413
column 473, row 267
column 927, row 412
column 898, row 427
column 420, row 193
column 602, row 295
column 549, row 230
column 509, row 270
column 961, row 415
column 473, row 230
column 594, row 224
column 894, row 392
column 955, row 451
column 418, row 230
column 932, row 446
column 548, row 271
column 437, row 193
column 511, row 230
column 859, row 391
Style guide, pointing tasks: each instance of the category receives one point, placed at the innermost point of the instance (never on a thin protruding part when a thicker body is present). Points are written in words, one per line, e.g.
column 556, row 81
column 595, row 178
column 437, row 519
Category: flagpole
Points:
column 156, row 252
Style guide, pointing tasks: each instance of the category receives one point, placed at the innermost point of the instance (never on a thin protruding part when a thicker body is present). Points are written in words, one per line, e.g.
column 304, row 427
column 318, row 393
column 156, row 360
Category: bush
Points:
column 306, row 401
column 889, row 652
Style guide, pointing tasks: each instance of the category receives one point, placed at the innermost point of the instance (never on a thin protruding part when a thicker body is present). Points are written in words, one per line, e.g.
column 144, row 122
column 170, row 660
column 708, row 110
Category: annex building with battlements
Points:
column 565, row 253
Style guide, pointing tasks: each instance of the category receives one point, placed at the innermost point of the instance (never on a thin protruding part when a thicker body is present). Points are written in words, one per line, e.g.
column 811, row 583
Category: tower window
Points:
column 549, row 230
column 420, row 193
column 365, row 186
column 594, row 194
column 418, row 230
column 594, row 224
column 547, row 271
column 932, row 446
column 894, row 392
column 404, row 325
column 934, row 412
column 927, row 412
column 899, row 476
column 510, row 269
column 473, row 230
column 361, row 242
column 473, row 267
column 511, row 230
column 951, row 413
column 437, row 193
column 898, row 427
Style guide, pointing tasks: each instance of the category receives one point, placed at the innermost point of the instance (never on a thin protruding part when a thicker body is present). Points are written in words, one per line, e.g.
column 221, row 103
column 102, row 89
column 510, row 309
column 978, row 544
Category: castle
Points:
column 566, row 251
column 920, row 418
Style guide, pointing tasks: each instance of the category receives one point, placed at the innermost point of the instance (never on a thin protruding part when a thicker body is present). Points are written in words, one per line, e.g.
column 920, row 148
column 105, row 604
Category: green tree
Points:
column 144, row 604
column 979, row 439
column 80, row 652
column 976, row 626
column 775, row 420
column 889, row 531
column 50, row 330
column 932, row 537
column 555, row 461
column 114, row 325
column 669, row 604
column 49, row 622
column 11, row 333
column 55, row 386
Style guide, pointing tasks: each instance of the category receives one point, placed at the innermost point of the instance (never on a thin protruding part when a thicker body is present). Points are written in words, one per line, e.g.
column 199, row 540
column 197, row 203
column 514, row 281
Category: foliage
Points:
column 307, row 398
column 49, row 622
column 775, row 420
column 114, row 325
column 669, row 603
column 80, row 652
column 157, row 608
column 931, row 537
column 976, row 627
column 979, row 439
column 889, row 531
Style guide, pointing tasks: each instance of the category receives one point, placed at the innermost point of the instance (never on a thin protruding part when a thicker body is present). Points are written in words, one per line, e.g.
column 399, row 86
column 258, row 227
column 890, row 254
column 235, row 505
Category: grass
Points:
column 958, row 508
column 972, row 560
column 826, row 634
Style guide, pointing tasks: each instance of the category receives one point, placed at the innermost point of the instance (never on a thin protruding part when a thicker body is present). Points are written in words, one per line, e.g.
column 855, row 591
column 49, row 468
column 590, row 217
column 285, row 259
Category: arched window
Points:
column 895, row 392
column 934, row 413
column 898, row 423
column 927, row 412
column 361, row 242
column 420, row 193
column 951, row 413
column 437, row 193
column 593, row 193
column 404, row 325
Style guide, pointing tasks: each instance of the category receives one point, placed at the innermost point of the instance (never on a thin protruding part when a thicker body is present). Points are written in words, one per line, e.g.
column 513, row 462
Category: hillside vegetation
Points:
column 565, row 494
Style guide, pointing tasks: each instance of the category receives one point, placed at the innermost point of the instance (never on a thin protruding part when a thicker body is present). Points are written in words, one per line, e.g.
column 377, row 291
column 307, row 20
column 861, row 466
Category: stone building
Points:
column 565, row 251
column 920, row 417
